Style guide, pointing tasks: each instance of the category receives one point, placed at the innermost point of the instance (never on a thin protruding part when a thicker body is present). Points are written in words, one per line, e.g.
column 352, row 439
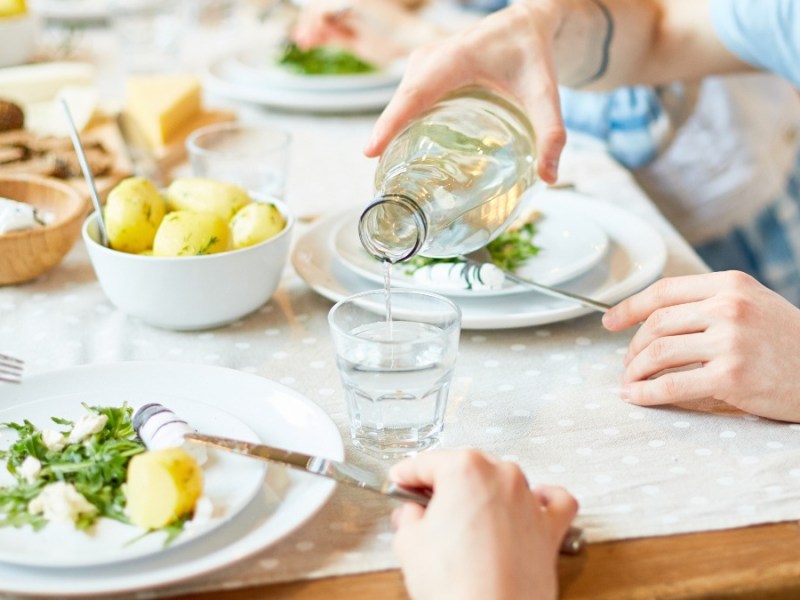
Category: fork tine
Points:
column 11, row 369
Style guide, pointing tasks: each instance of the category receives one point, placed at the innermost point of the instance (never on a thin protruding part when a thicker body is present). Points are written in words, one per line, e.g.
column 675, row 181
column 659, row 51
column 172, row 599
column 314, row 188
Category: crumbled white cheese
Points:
column 61, row 502
column 54, row 440
column 203, row 514
column 30, row 468
column 87, row 425
column 16, row 216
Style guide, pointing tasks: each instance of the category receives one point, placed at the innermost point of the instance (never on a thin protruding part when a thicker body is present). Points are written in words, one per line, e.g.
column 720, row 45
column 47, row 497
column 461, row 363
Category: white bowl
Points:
column 190, row 292
column 18, row 35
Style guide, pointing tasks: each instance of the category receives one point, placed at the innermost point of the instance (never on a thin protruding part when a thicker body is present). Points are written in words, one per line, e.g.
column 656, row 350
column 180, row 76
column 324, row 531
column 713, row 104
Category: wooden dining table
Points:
column 753, row 563
column 527, row 371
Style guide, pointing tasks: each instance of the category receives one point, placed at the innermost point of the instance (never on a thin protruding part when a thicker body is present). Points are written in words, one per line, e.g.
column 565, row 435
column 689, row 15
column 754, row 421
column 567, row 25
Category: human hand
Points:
column 485, row 533
column 509, row 51
column 745, row 336
column 377, row 31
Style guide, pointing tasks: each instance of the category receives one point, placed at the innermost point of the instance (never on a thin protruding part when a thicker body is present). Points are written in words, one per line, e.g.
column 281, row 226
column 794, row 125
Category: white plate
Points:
column 71, row 10
column 221, row 78
column 570, row 244
column 636, row 256
column 259, row 66
column 277, row 414
column 229, row 481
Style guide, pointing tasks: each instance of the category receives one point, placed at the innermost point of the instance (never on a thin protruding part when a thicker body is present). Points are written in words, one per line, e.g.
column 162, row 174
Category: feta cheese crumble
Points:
column 61, row 502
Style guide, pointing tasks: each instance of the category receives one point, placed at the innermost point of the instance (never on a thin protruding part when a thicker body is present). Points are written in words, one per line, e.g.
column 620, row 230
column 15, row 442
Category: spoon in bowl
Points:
column 87, row 173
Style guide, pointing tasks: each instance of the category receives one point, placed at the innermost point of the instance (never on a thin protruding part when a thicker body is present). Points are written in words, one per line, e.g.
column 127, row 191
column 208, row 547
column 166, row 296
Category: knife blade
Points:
column 324, row 467
column 346, row 473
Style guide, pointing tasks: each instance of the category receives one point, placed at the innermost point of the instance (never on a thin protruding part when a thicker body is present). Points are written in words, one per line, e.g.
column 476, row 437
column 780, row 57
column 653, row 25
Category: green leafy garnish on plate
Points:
column 322, row 60
column 509, row 250
column 94, row 464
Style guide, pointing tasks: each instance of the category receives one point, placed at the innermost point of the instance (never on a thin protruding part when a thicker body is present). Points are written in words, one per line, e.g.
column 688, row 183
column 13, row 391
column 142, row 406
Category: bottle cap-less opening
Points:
column 393, row 228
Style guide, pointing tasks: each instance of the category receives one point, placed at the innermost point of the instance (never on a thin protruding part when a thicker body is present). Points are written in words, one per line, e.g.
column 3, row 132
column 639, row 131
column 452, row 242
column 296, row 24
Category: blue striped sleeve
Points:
column 764, row 33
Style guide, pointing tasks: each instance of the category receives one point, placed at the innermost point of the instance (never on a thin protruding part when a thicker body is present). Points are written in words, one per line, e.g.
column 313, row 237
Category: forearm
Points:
column 603, row 44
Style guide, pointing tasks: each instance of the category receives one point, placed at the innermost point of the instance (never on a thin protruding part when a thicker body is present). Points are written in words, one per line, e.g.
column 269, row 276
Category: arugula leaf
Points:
column 322, row 61
column 509, row 251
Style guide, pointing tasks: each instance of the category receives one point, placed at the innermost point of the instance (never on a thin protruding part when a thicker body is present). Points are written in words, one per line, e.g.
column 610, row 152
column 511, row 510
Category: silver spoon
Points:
column 87, row 173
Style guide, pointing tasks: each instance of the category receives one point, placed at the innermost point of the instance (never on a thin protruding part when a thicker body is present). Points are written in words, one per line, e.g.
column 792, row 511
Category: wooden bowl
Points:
column 25, row 255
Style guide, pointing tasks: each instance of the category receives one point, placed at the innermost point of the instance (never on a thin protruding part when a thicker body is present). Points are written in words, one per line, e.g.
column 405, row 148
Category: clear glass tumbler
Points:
column 396, row 373
column 252, row 155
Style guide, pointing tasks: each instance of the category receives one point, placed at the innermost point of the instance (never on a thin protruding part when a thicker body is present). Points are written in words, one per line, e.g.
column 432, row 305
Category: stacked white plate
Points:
column 588, row 246
column 254, row 75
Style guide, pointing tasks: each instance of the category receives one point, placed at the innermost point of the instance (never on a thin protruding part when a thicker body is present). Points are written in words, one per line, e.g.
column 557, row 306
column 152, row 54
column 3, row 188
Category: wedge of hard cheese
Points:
column 160, row 105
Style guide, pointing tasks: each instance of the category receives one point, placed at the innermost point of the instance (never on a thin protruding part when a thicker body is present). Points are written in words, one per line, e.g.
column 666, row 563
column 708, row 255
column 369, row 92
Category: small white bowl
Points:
column 190, row 292
column 18, row 35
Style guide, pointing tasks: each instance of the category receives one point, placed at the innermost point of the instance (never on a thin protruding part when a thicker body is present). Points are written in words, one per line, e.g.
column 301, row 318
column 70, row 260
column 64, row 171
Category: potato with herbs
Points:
column 206, row 195
column 189, row 233
column 162, row 486
column 133, row 212
column 255, row 223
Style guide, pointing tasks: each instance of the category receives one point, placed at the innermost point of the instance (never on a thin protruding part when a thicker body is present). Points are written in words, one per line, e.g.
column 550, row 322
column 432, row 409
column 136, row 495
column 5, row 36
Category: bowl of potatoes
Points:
column 198, row 255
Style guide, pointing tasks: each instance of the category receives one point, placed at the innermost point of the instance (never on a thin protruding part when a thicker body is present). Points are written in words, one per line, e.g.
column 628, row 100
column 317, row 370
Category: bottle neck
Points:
column 393, row 227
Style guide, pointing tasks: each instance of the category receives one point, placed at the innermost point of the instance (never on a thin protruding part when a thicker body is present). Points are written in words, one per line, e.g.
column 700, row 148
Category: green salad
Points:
column 509, row 250
column 74, row 474
column 322, row 61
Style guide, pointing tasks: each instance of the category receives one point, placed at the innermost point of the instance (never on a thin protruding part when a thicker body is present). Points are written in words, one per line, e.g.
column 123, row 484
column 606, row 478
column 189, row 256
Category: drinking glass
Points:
column 396, row 371
column 254, row 156
column 149, row 33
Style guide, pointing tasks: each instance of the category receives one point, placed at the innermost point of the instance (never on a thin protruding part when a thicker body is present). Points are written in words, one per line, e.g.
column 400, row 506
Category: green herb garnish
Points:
column 96, row 466
column 509, row 251
column 322, row 61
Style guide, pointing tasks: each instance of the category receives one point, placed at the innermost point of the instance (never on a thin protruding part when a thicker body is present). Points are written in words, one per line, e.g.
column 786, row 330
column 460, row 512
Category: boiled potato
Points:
column 255, row 223
column 206, row 195
column 162, row 486
column 189, row 233
column 134, row 210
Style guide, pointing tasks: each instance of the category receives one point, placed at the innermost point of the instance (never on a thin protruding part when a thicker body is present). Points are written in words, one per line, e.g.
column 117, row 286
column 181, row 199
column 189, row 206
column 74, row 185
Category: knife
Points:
column 346, row 473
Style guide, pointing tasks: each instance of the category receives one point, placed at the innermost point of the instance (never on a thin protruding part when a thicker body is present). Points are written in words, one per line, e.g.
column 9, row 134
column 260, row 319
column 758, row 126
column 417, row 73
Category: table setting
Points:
column 264, row 343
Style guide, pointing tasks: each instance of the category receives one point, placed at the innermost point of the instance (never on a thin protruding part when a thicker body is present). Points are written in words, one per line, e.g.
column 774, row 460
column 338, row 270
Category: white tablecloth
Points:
column 545, row 397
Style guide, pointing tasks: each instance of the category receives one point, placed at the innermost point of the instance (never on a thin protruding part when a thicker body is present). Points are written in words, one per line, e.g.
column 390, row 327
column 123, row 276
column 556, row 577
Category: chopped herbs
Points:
column 322, row 61
column 92, row 456
column 509, row 251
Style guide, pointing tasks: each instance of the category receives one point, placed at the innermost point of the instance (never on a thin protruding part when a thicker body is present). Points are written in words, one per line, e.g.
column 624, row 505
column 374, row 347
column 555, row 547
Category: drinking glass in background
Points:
column 149, row 33
column 254, row 156
column 396, row 373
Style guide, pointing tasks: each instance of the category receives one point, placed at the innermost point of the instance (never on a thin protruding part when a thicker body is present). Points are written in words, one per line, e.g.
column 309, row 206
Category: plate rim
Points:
column 286, row 79
column 371, row 99
column 146, row 572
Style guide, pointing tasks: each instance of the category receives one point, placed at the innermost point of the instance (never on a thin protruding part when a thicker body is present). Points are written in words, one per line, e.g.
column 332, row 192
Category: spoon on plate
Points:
column 87, row 173
column 481, row 256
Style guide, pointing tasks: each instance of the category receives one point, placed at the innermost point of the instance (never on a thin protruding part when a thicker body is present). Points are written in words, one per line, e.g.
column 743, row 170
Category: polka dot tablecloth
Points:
column 544, row 397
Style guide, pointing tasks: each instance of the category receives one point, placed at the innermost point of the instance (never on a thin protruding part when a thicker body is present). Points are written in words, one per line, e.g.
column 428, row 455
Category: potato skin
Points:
column 206, row 195
column 255, row 223
column 133, row 211
column 162, row 486
column 189, row 233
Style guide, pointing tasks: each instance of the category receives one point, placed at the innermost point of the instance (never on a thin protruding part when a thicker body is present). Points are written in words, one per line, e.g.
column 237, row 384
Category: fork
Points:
column 11, row 369
column 481, row 256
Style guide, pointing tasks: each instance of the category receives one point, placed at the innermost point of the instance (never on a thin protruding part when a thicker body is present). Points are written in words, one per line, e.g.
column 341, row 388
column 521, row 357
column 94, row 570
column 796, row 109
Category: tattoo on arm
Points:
column 585, row 43
column 606, row 47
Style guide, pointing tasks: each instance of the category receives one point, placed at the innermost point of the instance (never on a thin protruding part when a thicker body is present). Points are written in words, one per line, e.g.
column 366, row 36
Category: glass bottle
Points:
column 452, row 180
